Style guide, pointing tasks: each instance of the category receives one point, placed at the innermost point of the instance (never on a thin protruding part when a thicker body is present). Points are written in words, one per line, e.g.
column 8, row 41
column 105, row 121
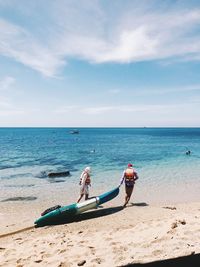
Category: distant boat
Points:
column 74, row 132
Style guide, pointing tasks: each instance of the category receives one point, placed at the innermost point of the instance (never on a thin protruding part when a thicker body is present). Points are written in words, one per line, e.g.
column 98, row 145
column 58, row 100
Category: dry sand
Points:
column 108, row 236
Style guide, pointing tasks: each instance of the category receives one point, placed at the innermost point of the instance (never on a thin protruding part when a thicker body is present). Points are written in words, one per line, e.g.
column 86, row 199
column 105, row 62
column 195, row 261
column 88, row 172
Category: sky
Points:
column 99, row 63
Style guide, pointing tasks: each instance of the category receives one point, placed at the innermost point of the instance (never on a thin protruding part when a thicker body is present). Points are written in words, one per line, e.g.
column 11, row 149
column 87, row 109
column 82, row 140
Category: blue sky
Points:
column 123, row 63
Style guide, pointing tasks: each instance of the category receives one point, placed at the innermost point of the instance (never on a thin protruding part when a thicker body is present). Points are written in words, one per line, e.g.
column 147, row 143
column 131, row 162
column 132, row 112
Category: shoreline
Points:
column 109, row 236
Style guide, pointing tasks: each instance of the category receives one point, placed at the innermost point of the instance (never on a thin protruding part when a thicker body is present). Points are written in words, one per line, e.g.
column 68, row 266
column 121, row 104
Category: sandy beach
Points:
column 107, row 236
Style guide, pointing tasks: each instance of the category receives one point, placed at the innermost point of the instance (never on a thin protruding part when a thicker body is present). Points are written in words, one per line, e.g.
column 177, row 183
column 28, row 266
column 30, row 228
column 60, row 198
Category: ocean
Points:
column 165, row 172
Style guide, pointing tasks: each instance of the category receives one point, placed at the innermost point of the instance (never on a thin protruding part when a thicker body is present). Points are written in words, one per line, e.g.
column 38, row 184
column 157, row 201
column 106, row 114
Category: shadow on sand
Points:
column 90, row 215
column 185, row 261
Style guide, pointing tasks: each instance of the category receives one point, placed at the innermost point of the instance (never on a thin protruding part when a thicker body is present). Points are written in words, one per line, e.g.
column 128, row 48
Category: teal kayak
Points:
column 67, row 212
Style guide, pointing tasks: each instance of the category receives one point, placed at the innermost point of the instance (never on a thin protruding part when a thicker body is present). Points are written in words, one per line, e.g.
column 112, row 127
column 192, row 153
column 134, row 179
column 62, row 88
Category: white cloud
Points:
column 183, row 114
column 5, row 103
column 17, row 43
column 167, row 90
column 6, row 83
column 11, row 112
column 88, row 30
column 66, row 109
column 98, row 110
column 8, row 109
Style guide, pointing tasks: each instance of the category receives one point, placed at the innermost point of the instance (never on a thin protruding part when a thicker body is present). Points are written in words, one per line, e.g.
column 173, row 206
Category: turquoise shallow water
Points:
column 28, row 154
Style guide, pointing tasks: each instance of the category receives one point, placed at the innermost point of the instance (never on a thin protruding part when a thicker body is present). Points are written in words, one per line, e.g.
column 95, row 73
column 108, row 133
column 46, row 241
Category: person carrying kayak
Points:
column 85, row 182
column 129, row 176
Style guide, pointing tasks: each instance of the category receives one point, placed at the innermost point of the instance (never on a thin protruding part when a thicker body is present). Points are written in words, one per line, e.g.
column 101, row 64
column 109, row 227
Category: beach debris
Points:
column 59, row 174
column 38, row 261
column 1, row 248
column 81, row 263
column 174, row 225
column 80, row 232
column 63, row 264
column 170, row 208
column 182, row 221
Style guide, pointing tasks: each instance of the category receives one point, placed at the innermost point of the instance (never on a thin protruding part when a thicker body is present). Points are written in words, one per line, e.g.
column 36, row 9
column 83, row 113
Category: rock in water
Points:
column 58, row 174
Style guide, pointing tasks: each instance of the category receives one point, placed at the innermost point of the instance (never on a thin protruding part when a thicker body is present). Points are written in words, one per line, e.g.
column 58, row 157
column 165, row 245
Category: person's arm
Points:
column 81, row 179
column 136, row 176
column 122, row 179
column 84, row 179
column 90, row 181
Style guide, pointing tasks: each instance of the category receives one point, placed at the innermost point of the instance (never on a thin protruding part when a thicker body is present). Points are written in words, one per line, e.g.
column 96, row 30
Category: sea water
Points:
column 158, row 154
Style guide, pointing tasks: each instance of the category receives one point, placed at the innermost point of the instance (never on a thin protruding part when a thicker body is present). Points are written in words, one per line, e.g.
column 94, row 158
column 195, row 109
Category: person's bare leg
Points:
column 80, row 198
column 86, row 196
column 129, row 191
column 127, row 198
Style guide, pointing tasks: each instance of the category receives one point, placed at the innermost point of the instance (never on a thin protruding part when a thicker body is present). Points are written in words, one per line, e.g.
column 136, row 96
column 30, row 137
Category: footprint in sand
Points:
column 157, row 252
column 19, row 260
column 108, row 239
column 114, row 243
column 50, row 244
column 119, row 250
column 9, row 252
column 146, row 245
column 92, row 249
column 97, row 260
column 120, row 259
column 45, row 256
column 62, row 251
column 188, row 232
